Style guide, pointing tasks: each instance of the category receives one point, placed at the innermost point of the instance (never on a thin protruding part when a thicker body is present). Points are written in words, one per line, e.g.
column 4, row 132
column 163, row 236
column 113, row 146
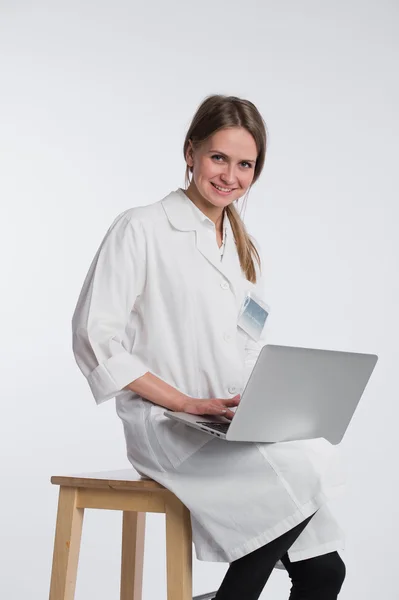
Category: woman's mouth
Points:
column 223, row 191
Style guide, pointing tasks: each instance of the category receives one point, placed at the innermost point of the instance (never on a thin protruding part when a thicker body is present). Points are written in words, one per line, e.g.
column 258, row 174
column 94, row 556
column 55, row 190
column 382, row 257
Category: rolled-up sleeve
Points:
column 114, row 281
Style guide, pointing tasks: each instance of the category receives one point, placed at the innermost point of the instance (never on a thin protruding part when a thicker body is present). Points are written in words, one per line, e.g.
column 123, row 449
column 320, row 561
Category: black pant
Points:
column 318, row 578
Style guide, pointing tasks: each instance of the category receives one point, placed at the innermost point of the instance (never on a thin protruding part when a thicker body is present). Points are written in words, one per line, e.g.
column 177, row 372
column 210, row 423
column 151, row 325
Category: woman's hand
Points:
column 211, row 406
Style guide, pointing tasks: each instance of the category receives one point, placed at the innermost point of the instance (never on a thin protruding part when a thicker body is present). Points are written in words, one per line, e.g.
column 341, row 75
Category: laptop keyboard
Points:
column 223, row 427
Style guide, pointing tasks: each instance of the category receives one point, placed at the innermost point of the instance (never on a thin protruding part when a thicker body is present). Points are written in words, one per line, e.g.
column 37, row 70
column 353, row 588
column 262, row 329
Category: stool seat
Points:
column 127, row 479
column 134, row 495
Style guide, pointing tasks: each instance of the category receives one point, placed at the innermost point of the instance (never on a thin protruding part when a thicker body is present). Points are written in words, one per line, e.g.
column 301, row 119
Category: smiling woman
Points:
column 156, row 326
column 225, row 174
column 225, row 149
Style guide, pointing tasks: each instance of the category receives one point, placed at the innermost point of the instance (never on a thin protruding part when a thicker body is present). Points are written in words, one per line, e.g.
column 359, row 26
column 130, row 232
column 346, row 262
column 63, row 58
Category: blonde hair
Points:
column 218, row 112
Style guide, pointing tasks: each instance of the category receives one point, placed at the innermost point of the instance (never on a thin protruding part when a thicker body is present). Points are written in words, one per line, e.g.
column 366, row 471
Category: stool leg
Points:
column 66, row 545
column 133, row 531
column 178, row 550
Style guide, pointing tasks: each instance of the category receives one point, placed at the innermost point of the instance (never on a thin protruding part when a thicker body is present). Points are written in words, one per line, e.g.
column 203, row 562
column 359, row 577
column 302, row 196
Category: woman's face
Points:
column 227, row 159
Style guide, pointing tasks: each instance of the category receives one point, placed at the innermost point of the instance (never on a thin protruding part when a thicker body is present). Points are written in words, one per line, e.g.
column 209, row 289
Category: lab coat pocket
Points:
column 174, row 441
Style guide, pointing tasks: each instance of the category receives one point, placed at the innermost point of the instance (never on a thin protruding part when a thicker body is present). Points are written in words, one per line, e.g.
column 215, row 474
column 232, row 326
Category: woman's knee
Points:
column 333, row 569
column 327, row 572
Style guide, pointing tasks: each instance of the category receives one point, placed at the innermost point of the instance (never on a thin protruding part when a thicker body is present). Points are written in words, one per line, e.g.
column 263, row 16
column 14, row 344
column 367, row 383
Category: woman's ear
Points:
column 190, row 154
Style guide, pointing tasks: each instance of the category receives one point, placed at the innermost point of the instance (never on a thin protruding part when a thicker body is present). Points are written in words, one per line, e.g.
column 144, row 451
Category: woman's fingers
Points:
column 216, row 406
column 224, row 411
column 229, row 414
column 232, row 401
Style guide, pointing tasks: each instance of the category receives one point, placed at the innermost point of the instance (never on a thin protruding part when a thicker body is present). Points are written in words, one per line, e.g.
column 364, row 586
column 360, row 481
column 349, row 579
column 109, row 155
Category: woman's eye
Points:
column 244, row 162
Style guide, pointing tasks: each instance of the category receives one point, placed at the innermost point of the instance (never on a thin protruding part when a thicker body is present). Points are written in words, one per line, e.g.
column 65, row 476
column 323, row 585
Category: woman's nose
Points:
column 228, row 176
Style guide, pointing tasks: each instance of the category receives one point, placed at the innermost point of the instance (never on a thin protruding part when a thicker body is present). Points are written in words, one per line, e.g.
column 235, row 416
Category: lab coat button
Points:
column 227, row 337
column 232, row 389
column 224, row 285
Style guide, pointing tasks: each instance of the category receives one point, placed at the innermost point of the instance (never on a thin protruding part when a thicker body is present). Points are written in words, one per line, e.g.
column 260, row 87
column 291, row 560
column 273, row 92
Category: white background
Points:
column 95, row 100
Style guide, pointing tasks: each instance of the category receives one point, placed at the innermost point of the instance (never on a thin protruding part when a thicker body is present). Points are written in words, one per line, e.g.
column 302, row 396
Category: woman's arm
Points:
column 115, row 279
column 156, row 390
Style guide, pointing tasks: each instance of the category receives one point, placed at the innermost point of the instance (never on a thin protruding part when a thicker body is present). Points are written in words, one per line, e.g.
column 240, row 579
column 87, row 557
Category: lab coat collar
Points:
column 184, row 216
column 206, row 221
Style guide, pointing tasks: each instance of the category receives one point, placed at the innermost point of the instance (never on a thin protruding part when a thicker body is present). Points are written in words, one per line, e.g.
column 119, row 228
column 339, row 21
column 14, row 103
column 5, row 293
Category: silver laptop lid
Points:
column 301, row 393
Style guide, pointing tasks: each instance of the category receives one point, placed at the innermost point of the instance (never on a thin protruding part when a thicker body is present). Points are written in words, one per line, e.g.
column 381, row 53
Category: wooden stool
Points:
column 121, row 490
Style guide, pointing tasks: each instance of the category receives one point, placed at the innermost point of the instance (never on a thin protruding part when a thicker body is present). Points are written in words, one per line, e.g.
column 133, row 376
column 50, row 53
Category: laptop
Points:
column 293, row 394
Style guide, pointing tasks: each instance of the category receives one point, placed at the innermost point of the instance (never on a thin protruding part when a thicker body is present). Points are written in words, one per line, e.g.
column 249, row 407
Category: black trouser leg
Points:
column 246, row 577
column 314, row 578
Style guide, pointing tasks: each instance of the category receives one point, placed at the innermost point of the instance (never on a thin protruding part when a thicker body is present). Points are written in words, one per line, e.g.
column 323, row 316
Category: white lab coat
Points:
column 160, row 297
